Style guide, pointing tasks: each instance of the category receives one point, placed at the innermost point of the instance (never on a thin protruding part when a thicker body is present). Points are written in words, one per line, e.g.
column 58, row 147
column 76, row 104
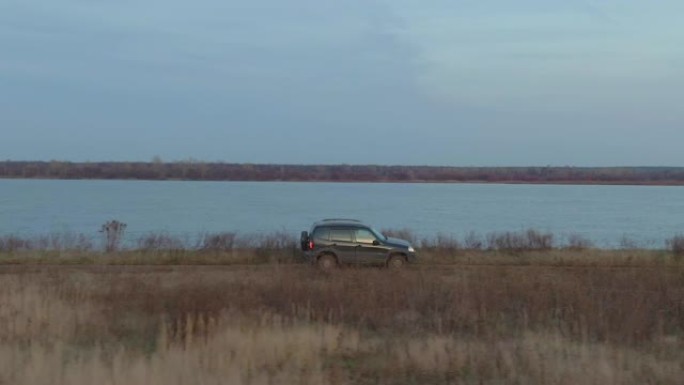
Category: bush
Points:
column 52, row 242
column 627, row 243
column 12, row 243
column 113, row 232
column 531, row 240
column 676, row 245
column 577, row 242
column 447, row 243
column 473, row 241
column 159, row 242
column 506, row 241
column 539, row 241
column 217, row 242
column 271, row 247
column 405, row 234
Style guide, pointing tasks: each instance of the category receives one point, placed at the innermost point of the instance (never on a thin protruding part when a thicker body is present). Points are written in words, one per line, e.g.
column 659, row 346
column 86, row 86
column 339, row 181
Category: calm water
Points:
column 604, row 214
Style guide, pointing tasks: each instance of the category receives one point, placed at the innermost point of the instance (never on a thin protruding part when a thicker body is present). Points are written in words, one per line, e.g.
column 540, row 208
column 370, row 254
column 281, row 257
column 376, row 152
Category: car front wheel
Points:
column 396, row 262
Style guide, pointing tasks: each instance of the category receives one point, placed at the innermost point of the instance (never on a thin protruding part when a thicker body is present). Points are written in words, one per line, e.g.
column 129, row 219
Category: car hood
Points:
column 398, row 242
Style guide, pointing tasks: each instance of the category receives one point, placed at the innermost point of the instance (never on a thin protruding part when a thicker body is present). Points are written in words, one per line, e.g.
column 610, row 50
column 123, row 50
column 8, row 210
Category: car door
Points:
column 369, row 249
column 342, row 242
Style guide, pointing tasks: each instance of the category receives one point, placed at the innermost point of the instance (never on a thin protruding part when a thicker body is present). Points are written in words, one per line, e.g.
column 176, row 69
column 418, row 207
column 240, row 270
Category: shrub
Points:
column 506, row 241
column 539, row 241
column 159, row 242
column 627, row 243
column 577, row 242
column 62, row 242
column 531, row 240
column 676, row 245
column 447, row 243
column 473, row 241
column 271, row 247
column 113, row 232
column 444, row 245
column 405, row 234
column 12, row 243
column 217, row 242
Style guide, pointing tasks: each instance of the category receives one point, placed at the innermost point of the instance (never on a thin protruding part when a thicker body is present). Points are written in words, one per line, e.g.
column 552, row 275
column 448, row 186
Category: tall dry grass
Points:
column 291, row 324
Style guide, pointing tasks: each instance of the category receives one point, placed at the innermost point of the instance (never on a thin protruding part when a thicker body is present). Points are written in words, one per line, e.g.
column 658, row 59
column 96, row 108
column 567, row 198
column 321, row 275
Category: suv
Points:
column 332, row 242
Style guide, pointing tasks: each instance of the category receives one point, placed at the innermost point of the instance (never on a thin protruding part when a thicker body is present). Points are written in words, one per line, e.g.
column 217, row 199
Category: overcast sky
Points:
column 443, row 82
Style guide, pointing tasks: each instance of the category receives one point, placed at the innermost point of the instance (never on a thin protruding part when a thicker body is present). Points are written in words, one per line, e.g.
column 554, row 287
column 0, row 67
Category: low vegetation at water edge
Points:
column 112, row 247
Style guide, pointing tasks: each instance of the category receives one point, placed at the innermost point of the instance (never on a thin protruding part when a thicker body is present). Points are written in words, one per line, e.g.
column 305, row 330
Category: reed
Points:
column 291, row 324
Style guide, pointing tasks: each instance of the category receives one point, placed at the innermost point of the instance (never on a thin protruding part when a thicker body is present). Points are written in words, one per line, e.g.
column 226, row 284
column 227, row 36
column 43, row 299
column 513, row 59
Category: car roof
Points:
column 339, row 222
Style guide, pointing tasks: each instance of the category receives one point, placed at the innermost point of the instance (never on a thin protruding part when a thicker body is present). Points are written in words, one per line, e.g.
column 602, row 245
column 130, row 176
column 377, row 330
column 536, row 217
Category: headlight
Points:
column 411, row 249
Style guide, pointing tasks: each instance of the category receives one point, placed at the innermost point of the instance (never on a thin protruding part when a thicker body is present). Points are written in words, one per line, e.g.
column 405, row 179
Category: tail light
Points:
column 311, row 245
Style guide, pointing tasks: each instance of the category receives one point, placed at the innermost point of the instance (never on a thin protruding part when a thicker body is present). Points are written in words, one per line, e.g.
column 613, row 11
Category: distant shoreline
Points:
column 555, row 183
column 245, row 172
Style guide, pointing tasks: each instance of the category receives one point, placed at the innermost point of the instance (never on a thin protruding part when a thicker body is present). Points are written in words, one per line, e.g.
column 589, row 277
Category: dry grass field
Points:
column 614, row 322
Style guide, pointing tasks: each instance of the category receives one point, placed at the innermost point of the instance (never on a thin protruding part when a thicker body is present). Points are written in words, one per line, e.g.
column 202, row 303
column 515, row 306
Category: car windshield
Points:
column 378, row 234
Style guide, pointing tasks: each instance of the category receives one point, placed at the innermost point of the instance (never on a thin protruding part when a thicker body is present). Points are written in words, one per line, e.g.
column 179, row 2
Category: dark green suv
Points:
column 332, row 242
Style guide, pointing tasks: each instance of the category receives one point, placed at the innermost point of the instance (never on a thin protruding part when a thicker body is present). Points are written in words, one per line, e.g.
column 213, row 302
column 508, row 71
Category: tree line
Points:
column 216, row 171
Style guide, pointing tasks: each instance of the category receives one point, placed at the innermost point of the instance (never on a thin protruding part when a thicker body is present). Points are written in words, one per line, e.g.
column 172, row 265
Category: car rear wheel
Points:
column 327, row 262
column 396, row 262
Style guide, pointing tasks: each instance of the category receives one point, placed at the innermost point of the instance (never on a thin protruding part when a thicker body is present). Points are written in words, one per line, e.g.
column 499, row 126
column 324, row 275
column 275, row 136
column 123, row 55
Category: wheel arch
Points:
column 327, row 252
column 397, row 253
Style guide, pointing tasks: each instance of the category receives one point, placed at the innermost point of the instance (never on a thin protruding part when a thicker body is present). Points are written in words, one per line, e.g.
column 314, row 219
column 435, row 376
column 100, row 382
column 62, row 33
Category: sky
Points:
column 433, row 82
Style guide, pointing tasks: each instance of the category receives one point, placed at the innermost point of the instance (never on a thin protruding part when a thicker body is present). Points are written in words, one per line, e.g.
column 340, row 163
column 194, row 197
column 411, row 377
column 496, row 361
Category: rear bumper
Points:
column 308, row 256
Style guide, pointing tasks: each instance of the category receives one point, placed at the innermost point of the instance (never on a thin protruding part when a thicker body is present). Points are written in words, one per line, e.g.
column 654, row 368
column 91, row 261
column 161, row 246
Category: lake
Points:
column 605, row 214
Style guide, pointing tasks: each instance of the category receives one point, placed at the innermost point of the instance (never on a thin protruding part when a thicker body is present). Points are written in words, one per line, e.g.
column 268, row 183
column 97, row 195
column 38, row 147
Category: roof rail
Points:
column 340, row 220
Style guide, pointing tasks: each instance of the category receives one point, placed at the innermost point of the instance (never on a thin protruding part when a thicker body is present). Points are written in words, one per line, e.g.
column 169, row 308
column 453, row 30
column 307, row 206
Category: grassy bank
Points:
column 291, row 324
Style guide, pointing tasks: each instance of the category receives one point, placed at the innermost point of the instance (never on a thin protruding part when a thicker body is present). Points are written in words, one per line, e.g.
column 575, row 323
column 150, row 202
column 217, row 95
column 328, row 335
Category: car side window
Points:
column 341, row 235
column 321, row 233
column 364, row 236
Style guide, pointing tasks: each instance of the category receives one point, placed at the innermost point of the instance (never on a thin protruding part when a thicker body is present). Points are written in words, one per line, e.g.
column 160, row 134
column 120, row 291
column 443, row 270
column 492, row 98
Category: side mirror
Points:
column 376, row 242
